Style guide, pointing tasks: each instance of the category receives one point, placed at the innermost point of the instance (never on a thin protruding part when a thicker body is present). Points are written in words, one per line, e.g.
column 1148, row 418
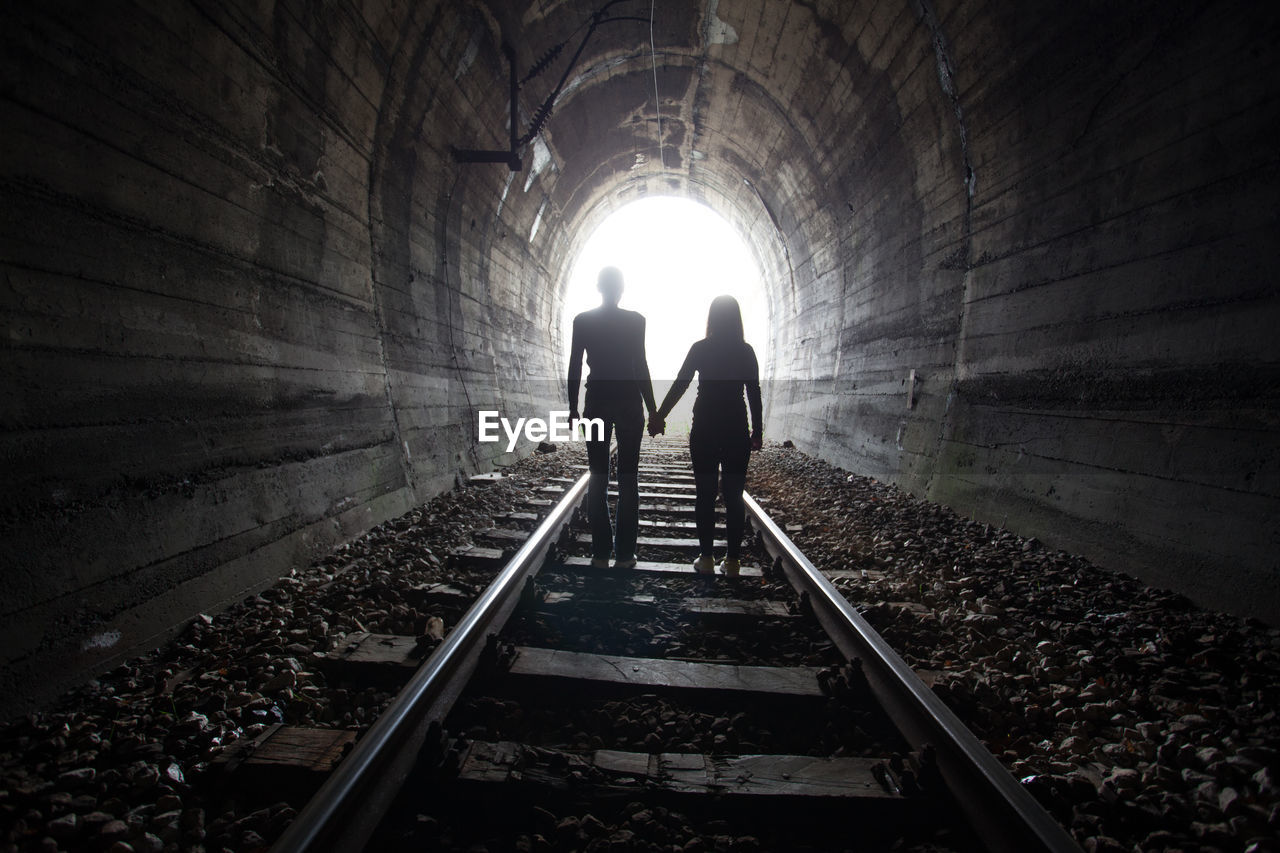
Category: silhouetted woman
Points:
column 719, row 440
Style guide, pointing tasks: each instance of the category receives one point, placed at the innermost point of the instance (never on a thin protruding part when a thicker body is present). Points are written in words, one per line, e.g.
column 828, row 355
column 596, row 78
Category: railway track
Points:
column 762, row 702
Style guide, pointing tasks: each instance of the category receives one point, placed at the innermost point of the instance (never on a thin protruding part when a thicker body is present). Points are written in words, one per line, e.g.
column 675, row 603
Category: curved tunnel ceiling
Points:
column 771, row 113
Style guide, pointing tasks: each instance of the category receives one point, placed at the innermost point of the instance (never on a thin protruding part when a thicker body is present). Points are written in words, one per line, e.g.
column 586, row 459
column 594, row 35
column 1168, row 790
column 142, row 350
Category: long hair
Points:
column 724, row 320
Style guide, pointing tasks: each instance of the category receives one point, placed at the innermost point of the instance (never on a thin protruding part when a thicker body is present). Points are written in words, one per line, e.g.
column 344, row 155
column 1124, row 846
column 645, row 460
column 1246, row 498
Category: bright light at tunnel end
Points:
column 676, row 255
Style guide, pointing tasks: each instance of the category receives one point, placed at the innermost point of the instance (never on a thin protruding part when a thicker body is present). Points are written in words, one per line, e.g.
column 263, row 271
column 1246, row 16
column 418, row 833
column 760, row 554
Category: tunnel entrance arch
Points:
column 676, row 255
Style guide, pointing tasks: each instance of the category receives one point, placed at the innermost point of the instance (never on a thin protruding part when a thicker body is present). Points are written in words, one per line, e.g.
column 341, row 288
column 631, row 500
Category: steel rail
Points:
column 1005, row 816
column 346, row 810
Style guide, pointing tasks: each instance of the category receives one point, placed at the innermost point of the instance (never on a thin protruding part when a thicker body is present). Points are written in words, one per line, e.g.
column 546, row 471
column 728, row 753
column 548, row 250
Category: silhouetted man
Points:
column 613, row 340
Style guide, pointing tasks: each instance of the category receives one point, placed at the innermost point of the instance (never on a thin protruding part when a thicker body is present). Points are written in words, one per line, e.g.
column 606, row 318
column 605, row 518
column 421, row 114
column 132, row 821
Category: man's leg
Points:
column 598, row 491
column 630, row 426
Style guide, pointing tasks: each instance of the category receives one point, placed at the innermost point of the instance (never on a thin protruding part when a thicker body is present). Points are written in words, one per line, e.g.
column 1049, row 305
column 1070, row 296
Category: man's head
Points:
column 610, row 285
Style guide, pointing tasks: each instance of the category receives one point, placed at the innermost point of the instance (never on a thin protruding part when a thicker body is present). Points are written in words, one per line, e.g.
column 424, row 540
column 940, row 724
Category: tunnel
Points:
column 1019, row 258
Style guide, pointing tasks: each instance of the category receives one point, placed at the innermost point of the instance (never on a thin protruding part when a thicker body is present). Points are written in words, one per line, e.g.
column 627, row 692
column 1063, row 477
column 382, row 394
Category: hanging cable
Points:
column 542, row 114
column 541, row 64
column 598, row 18
column 657, row 104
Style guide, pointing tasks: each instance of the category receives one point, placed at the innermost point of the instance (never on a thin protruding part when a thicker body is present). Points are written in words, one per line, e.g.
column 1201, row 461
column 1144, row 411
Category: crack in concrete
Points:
column 396, row 95
column 963, row 257
column 1123, row 76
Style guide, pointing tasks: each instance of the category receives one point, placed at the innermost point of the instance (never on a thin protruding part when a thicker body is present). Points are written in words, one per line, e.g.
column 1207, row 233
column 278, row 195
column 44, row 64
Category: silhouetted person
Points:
column 719, row 441
column 613, row 340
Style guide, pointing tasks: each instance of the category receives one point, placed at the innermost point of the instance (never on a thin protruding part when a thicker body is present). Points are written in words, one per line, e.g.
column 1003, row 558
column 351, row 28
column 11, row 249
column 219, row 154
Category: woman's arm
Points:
column 683, row 378
column 753, row 399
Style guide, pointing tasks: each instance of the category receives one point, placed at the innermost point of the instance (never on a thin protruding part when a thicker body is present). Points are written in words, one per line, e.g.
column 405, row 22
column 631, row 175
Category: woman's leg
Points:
column 705, row 471
column 705, row 511
column 732, row 483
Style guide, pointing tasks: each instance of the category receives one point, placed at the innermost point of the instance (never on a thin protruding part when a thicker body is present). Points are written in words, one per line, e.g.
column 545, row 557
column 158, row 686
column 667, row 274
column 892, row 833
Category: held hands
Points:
column 657, row 424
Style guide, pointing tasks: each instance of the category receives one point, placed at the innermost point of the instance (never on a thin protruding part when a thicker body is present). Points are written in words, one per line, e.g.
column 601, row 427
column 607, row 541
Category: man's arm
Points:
column 576, row 348
column 642, row 374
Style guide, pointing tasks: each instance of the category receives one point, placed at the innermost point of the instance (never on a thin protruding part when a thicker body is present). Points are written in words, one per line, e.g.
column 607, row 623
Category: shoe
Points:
column 599, row 562
column 625, row 563
column 704, row 565
column 729, row 568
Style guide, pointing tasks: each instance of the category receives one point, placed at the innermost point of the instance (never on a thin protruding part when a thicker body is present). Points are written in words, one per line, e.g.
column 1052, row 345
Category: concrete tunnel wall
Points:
column 252, row 303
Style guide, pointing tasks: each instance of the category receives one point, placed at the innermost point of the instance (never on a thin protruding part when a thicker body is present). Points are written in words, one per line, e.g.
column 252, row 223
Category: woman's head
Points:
column 724, row 320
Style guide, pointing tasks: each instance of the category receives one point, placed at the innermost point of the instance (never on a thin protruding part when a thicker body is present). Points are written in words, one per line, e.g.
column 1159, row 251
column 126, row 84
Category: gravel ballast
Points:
column 1140, row 721
column 127, row 762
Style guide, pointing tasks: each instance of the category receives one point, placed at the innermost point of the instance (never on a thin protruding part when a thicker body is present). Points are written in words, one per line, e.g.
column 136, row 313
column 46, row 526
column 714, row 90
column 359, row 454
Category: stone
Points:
column 1125, row 780
column 77, row 778
column 65, row 827
column 93, row 822
column 1229, row 802
column 286, row 680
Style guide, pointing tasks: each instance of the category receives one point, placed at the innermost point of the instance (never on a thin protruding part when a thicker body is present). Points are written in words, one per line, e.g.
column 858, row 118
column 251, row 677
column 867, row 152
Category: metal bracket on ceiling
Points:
column 512, row 156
